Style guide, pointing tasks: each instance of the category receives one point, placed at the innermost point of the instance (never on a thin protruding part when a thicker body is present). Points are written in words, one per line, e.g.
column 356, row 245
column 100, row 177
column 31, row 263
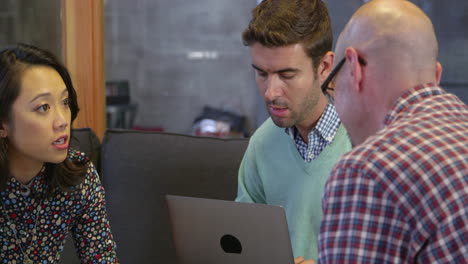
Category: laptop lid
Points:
column 209, row 231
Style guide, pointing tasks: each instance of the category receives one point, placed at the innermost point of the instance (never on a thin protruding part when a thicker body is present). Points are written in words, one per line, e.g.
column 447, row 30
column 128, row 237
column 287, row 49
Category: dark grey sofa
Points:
column 139, row 168
column 84, row 139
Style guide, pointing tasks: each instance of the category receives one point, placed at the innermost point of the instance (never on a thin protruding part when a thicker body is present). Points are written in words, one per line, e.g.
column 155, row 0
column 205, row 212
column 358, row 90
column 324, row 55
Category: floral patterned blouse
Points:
column 42, row 224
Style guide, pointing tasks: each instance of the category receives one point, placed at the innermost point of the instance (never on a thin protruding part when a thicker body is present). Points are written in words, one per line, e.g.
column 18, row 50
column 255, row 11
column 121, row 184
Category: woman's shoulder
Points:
column 77, row 156
column 91, row 178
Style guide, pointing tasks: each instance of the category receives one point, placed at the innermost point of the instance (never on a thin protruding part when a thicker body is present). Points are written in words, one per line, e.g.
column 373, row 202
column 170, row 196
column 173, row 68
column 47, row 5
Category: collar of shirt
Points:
column 410, row 97
column 325, row 130
column 37, row 185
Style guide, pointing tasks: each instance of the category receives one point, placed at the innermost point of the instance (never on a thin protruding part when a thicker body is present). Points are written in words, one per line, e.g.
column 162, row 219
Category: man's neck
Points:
column 308, row 124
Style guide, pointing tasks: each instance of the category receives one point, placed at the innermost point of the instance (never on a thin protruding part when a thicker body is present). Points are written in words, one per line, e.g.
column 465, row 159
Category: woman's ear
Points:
column 3, row 131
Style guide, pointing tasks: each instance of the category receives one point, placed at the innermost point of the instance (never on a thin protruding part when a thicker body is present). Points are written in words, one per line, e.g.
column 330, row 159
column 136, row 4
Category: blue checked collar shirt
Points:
column 402, row 195
column 321, row 136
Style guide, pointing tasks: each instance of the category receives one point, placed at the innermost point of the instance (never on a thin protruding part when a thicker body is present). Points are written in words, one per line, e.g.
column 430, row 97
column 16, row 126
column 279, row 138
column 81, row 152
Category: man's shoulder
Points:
column 361, row 158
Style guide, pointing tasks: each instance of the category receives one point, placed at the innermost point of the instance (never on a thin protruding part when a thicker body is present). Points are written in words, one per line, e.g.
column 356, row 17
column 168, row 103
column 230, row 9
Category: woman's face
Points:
column 39, row 129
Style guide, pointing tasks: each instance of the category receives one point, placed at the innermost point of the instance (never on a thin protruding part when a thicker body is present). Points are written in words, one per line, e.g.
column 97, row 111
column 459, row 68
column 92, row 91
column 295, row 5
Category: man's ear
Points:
column 326, row 66
column 438, row 72
column 355, row 68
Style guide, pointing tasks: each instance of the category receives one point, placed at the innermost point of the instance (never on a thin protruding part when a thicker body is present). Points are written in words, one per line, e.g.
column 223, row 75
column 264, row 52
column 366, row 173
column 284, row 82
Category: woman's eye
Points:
column 43, row 108
column 66, row 101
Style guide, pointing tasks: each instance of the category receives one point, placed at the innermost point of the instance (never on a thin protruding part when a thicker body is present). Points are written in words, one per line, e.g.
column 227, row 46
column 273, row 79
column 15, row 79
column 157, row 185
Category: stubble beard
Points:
column 295, row 117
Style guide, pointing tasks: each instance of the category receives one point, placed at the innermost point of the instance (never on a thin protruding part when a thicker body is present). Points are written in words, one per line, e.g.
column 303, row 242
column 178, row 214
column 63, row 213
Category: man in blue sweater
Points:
column 291, row 155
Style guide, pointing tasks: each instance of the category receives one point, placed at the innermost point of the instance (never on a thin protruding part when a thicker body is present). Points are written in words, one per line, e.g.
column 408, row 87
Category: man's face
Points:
column 287, row 82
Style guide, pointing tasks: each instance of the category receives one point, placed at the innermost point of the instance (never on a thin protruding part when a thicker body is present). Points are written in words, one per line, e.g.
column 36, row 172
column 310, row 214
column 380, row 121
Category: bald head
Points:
column 395, row 33
column 397, row 43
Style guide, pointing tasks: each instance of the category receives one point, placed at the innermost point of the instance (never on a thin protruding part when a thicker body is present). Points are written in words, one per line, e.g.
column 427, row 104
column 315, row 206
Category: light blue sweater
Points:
column 273, row 172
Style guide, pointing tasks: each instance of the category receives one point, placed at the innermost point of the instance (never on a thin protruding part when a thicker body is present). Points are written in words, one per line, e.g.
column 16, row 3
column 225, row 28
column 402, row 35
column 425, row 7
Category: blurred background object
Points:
column 219, row 123
column 120, row 112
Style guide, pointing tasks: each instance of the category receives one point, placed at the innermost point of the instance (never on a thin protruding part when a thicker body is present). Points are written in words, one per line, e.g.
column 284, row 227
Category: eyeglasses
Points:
column 326, row 84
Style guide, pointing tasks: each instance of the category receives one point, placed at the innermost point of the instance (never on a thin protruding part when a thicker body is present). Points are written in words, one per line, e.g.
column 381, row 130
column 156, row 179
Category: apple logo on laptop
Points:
column 231, row 244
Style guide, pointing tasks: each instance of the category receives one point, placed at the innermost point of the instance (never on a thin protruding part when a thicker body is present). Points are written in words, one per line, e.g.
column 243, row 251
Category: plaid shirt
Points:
column 402, row 195
column 321, row 136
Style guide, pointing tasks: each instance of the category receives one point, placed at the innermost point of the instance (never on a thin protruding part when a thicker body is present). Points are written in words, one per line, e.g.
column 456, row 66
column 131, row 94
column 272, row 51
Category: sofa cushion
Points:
column 139, row 168
column 85, row 140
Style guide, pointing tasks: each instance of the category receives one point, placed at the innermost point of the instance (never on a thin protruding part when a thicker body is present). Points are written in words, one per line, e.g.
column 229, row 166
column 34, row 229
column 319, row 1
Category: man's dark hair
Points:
column 277, row 23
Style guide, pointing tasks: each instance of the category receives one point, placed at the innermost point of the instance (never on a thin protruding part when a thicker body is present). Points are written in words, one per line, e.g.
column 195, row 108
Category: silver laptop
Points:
column 208, row 231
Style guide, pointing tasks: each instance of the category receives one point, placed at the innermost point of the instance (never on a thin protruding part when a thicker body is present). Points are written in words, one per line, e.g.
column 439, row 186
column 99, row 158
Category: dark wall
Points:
column 179, row 56
column 450, row 19
column 33, row 22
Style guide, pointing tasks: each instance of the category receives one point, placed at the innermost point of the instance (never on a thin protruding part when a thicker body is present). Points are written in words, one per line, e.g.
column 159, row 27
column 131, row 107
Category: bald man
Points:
column 401, row 194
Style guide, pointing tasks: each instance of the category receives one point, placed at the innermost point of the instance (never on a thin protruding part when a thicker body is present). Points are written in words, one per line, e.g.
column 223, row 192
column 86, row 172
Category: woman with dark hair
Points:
column 46, row 189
